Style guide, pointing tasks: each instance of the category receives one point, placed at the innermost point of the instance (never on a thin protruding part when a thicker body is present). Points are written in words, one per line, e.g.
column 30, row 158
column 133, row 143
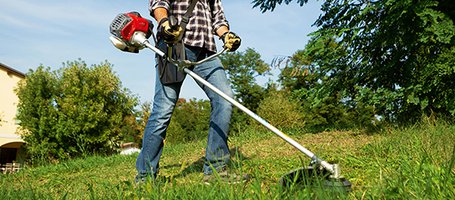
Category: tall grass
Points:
column 414, row 163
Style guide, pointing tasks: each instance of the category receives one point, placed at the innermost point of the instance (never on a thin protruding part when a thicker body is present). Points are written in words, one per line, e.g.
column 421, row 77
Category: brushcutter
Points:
column 131, row 29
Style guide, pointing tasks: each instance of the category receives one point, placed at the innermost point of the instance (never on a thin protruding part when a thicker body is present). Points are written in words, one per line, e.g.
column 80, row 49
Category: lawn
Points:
column 415, row 162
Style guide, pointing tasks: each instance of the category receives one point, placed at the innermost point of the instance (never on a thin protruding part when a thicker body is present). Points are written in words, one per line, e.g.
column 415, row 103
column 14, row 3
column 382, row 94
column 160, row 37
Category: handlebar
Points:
column 139, row 38
column 187, row 63
column 173, row 23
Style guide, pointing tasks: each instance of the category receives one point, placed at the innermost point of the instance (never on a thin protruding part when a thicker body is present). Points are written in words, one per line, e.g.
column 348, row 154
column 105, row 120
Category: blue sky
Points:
column 51, row 32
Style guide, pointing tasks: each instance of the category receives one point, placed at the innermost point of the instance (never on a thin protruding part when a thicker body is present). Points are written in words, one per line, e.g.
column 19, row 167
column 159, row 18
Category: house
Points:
column 10, row 140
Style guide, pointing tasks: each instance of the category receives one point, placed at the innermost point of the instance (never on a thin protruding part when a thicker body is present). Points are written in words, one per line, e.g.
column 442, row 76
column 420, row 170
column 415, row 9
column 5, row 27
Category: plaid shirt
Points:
column 207, row 17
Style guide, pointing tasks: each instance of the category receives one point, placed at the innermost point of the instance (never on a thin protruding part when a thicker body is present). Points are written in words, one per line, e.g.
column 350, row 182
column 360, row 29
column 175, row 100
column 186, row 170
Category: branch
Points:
column 265, row 5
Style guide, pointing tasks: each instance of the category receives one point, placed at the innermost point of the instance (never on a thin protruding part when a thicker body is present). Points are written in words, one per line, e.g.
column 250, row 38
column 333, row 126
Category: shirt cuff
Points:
column 218, row 25
column 158, row 4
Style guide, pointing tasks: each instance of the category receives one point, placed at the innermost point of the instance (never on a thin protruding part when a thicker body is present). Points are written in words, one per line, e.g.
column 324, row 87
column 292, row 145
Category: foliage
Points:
column 74, row 111
column 397, row 57
column 398, row 48
column 280, row 111
column 322, row 111
column 265, row 5
column 243, row 68
column 143, row 116
column 190, row 121
column 239, row 122
column 322, row 103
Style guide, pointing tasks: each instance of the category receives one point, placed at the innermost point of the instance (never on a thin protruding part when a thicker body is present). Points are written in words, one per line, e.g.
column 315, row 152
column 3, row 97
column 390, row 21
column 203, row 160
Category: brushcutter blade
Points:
column 312, row 177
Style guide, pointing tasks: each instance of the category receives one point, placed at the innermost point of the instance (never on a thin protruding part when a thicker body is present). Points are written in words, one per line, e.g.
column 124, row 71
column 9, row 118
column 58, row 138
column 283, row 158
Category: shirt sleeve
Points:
column 218, row 17
column 154, row 4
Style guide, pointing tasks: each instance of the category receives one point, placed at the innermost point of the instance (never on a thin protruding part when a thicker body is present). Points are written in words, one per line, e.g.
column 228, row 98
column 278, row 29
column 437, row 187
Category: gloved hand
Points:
column 171, row 32
column 231, row 41
column 120, row 44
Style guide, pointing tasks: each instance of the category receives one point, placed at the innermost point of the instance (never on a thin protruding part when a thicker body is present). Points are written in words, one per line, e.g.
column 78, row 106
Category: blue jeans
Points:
column 166, row 96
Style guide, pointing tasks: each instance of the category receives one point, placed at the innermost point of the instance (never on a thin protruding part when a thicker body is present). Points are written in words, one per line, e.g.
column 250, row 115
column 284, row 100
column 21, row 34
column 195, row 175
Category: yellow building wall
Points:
column 8, row 104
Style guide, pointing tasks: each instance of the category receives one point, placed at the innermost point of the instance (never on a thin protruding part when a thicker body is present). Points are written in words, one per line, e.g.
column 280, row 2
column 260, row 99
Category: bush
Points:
column 75, row 111
column 280, row 111
column 190, row 121
column 324, row 110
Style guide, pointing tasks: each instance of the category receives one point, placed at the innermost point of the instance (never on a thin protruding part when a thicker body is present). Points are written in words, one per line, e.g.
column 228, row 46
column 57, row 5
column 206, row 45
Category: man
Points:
column 206, row 20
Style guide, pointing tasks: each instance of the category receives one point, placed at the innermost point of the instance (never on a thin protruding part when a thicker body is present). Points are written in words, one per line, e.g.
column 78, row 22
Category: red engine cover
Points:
column 137, row 24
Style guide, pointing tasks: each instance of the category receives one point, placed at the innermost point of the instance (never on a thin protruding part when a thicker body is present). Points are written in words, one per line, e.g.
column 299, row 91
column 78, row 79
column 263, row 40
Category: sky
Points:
column 52, row 32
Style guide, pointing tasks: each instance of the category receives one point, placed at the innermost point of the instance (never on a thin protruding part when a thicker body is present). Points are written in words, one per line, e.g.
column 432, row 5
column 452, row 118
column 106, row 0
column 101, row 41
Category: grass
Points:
column 416, row 162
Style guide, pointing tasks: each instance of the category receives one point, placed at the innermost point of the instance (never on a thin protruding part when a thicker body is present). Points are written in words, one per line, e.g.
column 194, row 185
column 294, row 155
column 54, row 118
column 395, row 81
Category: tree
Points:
column 311, row 84
column 73, row 111
column 265, row 5
column 394, row 55
column 190, row 121
column 243, row 68
column 143, row 115
column 398, row 49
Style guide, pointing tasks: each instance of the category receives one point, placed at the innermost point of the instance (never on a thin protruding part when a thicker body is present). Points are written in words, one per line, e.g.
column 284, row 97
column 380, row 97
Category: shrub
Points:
column 75, row 111
column 280, row 111
column 190, row 121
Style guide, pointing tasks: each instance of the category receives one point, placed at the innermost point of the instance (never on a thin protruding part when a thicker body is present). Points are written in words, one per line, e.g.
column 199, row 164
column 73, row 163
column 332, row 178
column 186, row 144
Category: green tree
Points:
column 265, row 5
column 396, row 56
column 74, row 111
column 320, row 89
column 400, row 55
column 243, row 68
column 143, row 116
column 190, row 121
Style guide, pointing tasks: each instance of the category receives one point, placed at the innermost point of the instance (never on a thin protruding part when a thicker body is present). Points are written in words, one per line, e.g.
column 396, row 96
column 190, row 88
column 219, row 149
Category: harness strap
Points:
column 180, row 48
column 189, row 12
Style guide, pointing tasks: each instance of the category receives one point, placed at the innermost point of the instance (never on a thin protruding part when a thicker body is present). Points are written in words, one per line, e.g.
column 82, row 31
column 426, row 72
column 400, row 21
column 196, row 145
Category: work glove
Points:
column 231, row 41
column 120, row 44
column 171, row 33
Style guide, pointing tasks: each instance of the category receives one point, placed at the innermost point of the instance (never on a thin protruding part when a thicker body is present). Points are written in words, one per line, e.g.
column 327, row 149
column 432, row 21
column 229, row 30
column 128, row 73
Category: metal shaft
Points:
column 260, row 120
column 332, row 168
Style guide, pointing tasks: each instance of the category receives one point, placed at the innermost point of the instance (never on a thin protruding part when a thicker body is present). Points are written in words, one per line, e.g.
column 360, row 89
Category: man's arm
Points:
column 170, row 35
column 159, row 14
column 221, row 26
column 159, row 9
column 222, row 30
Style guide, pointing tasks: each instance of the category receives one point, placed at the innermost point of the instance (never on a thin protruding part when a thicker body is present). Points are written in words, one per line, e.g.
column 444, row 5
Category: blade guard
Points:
column 126, row 24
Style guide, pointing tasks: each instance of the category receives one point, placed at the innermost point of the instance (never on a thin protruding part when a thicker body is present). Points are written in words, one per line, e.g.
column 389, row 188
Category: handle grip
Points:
column 173, row 23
